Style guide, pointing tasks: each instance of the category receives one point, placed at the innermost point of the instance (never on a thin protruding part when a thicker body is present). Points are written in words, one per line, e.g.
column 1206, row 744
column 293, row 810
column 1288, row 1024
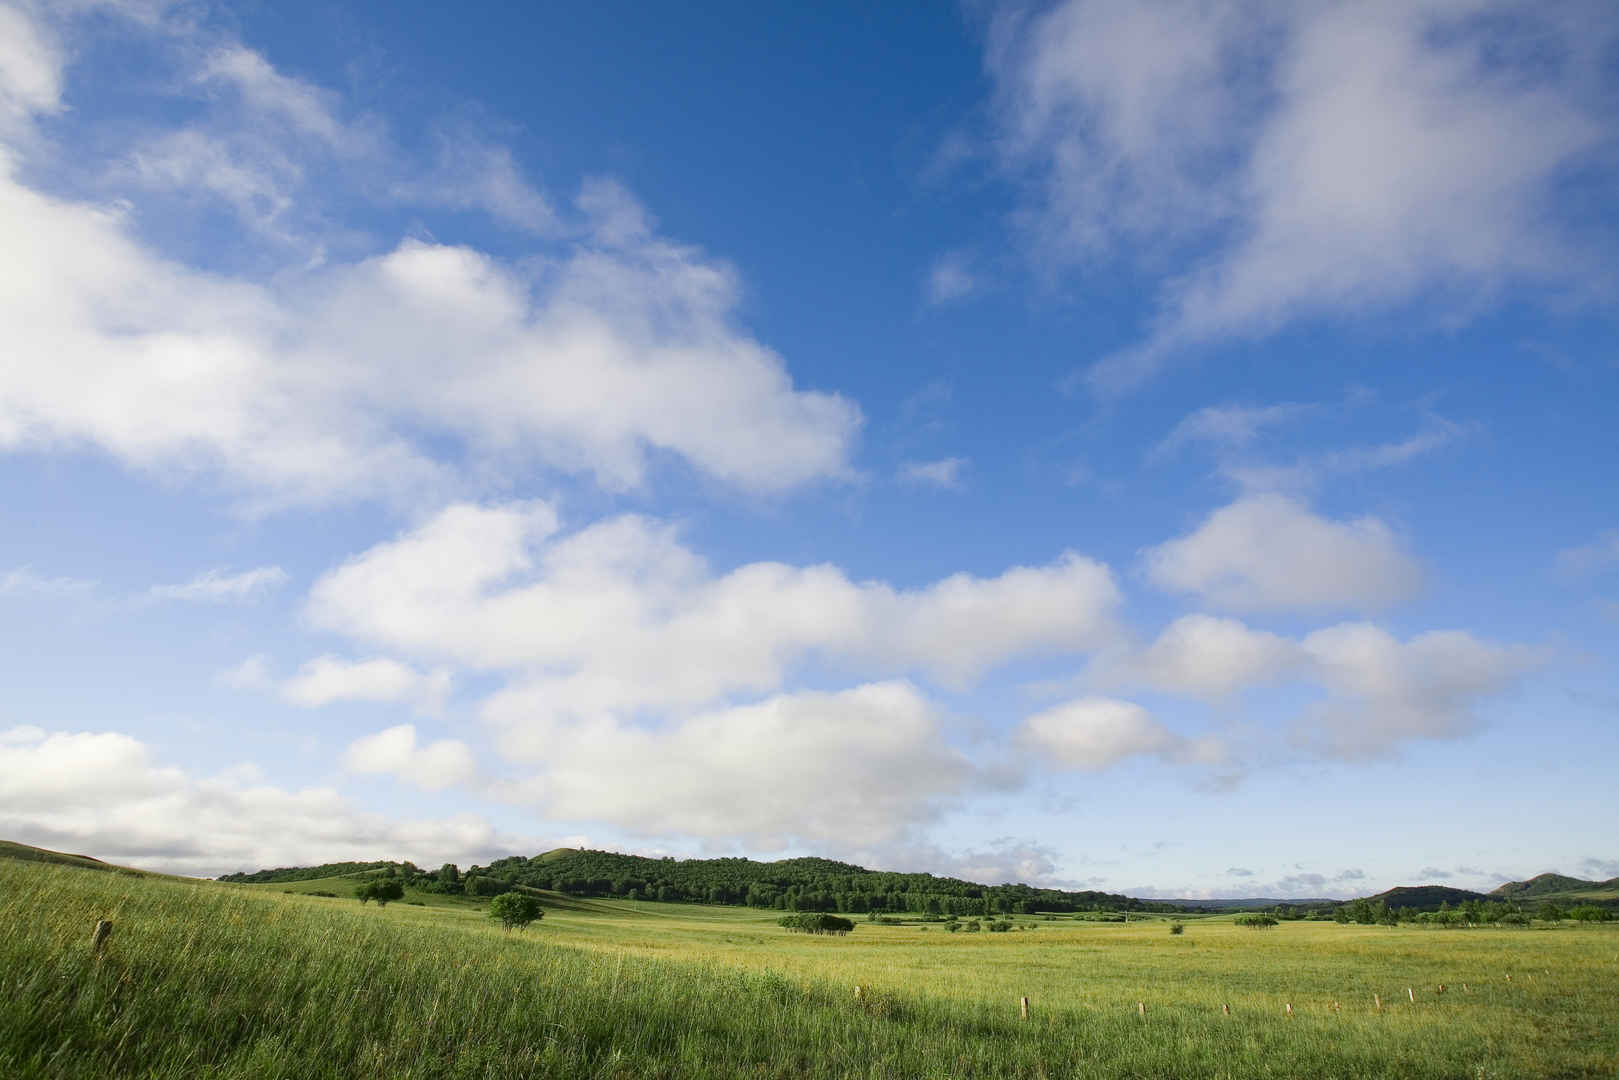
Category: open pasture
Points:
column 214, row 980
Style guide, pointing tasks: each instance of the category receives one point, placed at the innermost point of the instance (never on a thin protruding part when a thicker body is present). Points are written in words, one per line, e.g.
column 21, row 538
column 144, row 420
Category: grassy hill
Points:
column 1558, row 887
column 233, row 981
column 10, row 849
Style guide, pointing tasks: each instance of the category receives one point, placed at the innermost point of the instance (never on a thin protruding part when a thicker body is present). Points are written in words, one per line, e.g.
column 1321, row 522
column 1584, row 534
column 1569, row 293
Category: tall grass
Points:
column 205, row 980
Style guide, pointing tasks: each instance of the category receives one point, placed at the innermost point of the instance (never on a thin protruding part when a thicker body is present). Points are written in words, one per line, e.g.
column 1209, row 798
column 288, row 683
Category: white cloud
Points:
column 216, row 585
column 825, row 770
column 951, row 278
column 944, row 473
column 1383, row 691
column 1375, row 690
column 268, row 92
column 1208, row 657
column 336, row 381
column 327, row 679
column 1438, row 432
column 1598, row 555
column 104, row 794
column 1268, row 552
column 620, row 615
column 251, row 674
column 30, row 70
column 1225, row 426
column 1095, row 734
column 23, row 580
column 432, row 767
column 1337, row 158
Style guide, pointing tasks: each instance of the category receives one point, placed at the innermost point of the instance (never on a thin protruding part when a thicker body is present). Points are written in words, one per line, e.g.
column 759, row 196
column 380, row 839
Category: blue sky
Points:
column 1161, row 447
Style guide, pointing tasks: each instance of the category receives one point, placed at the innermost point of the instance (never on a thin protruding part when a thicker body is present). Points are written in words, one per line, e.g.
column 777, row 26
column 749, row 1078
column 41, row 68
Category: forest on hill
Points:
column 806, row 884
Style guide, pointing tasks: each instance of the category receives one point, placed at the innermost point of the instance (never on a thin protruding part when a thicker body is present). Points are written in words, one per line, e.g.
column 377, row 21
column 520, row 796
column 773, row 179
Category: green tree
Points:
column 514, row 910
column 380, row 891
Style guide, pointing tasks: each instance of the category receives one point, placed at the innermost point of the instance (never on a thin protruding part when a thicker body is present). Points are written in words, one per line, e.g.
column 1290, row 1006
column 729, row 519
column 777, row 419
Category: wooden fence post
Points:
column 1412, row 994
column 99, row 937
column 1141, row 1008
column 1378, row 1002
column 1023, row 1007
column 1290, row 1010
column 1226, row 1009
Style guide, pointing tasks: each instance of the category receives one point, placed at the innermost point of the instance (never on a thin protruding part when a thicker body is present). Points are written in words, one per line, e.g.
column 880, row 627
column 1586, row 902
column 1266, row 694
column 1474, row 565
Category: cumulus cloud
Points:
column 406, row 373
column 216, row 585
column 1382, row 691
column 1318, row 159
column 432, row 767
column 106, row 794
column 1376, row 691
column 1239, row 871
column 944, row 473
column 621, row 615
column 1095, row 734
column 1205, row 656
column 1269, row 552
column 859, row 767
column 327, row 679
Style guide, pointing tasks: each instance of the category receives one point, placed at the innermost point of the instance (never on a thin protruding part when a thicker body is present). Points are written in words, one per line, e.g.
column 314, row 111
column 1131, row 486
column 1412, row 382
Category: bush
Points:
column 1177, row 927
column 1255, row 922
column 1000, row 927
column 816, row 922
column 514, row 910
column 1589, row 913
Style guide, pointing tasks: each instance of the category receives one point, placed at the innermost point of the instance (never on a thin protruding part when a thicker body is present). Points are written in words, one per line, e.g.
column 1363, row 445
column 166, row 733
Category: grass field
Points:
column 210, row 980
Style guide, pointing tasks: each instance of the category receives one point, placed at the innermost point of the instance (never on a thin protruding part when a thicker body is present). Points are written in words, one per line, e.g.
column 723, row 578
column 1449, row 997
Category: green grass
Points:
column 208, row 980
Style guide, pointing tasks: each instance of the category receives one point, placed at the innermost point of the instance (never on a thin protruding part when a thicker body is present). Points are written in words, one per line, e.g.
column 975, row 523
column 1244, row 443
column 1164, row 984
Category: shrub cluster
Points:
column 816, row 922
column 1256, row 922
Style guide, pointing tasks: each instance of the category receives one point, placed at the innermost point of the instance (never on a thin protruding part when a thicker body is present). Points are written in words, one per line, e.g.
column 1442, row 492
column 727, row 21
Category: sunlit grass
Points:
column 237, row 981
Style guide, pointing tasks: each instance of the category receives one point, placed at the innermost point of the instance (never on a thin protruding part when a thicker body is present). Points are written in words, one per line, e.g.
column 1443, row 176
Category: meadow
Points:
column 202, row 979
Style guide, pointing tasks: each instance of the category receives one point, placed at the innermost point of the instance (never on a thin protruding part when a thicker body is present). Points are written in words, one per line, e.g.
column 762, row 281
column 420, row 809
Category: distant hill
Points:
column 809, row 884
column 806, row 884
column 1426, row 897
column 1557, row 886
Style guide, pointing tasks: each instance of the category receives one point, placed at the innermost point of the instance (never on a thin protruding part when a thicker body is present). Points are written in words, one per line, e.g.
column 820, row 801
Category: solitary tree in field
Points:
column 514, row 910
column 380, row 891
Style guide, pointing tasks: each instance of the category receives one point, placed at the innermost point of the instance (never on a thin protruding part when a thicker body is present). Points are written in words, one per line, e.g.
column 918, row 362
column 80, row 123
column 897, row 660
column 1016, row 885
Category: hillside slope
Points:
column 1557, row 887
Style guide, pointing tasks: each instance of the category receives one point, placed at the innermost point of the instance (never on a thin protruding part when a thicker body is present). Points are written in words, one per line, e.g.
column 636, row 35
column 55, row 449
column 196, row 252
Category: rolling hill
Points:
column 1558, row 887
